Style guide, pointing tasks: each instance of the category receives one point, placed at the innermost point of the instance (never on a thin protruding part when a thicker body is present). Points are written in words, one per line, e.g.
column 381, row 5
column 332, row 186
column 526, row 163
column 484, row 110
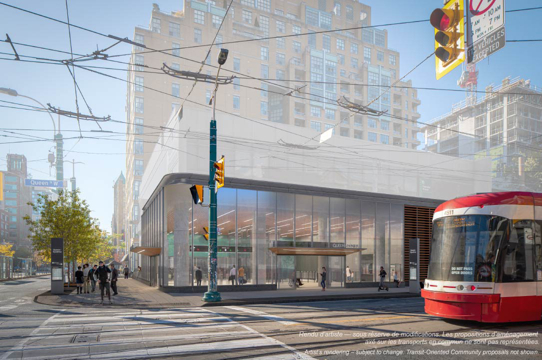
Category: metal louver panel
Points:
column 418, row 224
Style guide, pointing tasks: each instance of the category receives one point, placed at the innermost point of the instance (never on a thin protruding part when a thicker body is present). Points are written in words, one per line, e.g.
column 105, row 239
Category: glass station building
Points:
column 285, row 213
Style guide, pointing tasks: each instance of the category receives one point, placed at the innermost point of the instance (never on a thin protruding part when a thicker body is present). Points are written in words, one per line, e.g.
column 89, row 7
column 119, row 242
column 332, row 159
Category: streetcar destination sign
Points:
column 485, row 28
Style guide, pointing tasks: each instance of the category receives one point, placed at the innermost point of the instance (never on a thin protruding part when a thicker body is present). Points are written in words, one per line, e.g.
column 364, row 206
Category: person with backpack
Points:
column 382, row 274
column 126, row 272
column 199, row 275
column 92, row 277
column 114, row 279
column 79, row 278
column 103, row 274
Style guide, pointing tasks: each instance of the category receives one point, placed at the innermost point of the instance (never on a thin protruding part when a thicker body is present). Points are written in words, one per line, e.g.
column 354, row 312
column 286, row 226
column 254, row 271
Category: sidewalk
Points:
column 134, row 294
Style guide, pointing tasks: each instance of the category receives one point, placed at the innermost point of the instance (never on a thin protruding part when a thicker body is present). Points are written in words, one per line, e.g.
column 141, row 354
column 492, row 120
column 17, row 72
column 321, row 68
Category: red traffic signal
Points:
column 442, row 19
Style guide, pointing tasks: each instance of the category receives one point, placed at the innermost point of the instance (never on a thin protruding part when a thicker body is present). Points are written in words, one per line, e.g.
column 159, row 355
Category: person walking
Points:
column 233, row 275
column 382, row 275
column 396, row 279
column 241, row 276
column 103, row 274
column 86, row 281
column 348, row 274
column 323, row 274
column 138, row 272
column 114, row 279
column 79, row 277
column 92, row 277
column 199, row 275
column 126, row 272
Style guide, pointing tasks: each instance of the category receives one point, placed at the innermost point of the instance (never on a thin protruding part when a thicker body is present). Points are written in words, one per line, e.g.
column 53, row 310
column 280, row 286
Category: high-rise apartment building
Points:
column 16, row 198
column 282, row 78
column 119, row 219
column 504, row 125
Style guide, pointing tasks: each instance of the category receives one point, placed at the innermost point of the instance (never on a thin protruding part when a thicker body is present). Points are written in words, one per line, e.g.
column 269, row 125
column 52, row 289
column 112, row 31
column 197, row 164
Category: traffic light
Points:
column 220, row 167
column 197, row 194
column 449, row 24
column 206, row 233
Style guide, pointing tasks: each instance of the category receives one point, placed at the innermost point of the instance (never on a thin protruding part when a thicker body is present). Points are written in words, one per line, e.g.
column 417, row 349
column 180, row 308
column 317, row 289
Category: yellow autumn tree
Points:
column 5, row 250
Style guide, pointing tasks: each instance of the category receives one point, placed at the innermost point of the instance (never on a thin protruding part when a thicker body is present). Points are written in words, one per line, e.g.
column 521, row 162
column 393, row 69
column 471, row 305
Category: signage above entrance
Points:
column 314, row 251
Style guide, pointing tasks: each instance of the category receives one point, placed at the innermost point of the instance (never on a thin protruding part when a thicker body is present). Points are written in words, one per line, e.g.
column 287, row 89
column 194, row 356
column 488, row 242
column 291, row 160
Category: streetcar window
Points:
column 518, row 257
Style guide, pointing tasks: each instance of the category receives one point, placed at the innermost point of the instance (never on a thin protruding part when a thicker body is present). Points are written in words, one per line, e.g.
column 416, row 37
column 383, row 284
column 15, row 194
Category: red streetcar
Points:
column 486, row 258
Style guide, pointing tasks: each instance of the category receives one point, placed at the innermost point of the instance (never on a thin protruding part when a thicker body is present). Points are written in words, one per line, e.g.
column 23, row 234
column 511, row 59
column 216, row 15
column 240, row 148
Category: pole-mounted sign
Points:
column 485, row 28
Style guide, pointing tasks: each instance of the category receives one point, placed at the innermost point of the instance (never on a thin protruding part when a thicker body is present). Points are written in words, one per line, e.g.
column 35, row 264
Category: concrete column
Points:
column 182, row 216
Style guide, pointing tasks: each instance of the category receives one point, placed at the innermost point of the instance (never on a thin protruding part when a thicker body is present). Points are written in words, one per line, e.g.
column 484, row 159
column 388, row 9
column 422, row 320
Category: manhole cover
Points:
column 78, row 339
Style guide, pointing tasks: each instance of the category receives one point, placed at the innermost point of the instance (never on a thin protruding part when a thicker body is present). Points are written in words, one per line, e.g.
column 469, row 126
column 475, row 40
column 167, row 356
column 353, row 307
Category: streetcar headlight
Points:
column 472, row 288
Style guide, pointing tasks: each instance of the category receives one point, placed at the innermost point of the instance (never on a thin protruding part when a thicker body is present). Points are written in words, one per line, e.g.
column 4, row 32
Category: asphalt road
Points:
column 359, row 329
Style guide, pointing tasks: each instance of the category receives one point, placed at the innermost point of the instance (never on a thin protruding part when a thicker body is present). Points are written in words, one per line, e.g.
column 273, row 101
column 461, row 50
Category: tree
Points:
column 23, row 252
column 67, row 217
column 5, row 250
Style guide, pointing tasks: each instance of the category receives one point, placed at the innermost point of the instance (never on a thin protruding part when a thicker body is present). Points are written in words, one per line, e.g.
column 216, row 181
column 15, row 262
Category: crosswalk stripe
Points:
column 8, row 307
column 278, row 319
column 80, row 320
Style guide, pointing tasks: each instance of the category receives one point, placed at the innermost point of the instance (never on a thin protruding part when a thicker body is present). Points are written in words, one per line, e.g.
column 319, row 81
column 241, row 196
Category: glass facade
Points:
column 251, row 222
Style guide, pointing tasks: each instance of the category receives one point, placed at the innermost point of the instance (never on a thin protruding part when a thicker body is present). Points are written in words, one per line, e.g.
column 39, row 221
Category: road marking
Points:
column 278, row 319
column 20, row 345
column 353, row 320
column 8, row 307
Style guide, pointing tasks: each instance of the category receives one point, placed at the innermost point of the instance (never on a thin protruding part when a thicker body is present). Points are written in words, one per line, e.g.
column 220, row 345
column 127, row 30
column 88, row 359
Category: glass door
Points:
column 286, row 272
column 336, row 271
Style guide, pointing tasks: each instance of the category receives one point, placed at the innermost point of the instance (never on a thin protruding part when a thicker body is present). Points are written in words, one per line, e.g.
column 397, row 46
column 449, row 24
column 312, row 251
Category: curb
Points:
column 22, row 278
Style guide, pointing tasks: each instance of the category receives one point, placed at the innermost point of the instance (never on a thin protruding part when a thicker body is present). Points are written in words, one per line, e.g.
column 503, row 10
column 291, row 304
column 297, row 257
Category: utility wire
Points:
column 73, row 68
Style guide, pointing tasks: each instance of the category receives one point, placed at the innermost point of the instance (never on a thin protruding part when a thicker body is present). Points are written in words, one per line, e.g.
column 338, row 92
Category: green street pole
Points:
column 212, row 294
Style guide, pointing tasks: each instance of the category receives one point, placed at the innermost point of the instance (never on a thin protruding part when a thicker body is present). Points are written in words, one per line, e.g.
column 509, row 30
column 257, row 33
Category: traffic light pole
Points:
column 212, row 294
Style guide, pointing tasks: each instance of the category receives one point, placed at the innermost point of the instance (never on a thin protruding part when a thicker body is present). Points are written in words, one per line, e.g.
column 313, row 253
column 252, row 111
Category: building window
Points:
column 247, row 16
column 380, row 56
column 281, row 28
column 349, row 13
column 354, row 63
column 358, row 121
column 372, row 123
column 218, row 42
column 263, row 108
column 135, row 212
column 264, row 53
column 139, row 62
column 139, row 107
column 138, row 126
column 329, row 126
column 337, row 9
column 197, row 36
column 236, row 64
column 341, row 59
column 372, row 136
column 392, row 59
column 380, row 38
column 264, row 5
column 140, row 39
column 199, row 17
column 138, row 146
column 176, row 66
column 175, row 90
column 393, row 74
column 138, row 167
column 326, row 42
column 217, row 20
column 297, row 47
column 315, row 111
column 296, row 29
column 175, row 49
column 264, row 88
column 354, row 48
column 384, row 139
column 312, row 41
column 280, row 75
column 367, row 55
column 281, row 43
column 358, row 134
column 281, row 59
column 330, row 114
column 138, row 83
column 340, row 44
column 135, row 191
column 264, row 25
column 236, row 83
column 406, row 104
column 315, row 125
column 156, row 25
column 174, row 29
column 236, row 102
column 265, row 71
column 247, row 3
column 345, row 132
column 384, row 125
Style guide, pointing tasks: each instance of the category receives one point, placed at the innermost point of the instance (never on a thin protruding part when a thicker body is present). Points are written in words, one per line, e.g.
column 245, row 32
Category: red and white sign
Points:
column 485, row 17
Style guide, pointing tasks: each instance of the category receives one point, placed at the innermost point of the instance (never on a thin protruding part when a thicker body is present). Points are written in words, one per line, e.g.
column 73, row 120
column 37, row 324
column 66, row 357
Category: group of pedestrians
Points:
column 106, row 277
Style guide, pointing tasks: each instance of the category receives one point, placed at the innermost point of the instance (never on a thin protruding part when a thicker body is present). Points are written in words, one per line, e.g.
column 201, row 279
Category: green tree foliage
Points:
column 69, row 218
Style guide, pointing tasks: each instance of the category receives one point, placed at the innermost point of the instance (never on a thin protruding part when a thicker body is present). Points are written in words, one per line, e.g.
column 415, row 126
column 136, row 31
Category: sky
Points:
column 103, row 160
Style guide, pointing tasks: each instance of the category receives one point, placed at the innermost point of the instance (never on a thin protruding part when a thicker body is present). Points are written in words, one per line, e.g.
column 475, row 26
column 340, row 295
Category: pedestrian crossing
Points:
column 190, row 333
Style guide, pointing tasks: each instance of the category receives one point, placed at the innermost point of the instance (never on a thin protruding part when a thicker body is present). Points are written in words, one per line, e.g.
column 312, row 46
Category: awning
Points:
column 147, row 251
column 314, row 251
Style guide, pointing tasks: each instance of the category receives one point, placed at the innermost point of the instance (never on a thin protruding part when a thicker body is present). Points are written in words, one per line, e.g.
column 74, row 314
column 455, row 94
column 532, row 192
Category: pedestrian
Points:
column 323, row 274
column 79, row 280
column 138, row 272
column 382, row 275
column 86, row 281
column 348, row 274
column 114, row 279
column 92, row 277
column 126, row 272
column 233, row 275
column 396, row 279
column 242, row 276
column 103, row 274
column 199, row 275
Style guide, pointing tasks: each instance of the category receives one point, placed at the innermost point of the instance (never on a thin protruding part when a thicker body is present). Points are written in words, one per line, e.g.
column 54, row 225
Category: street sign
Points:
column 57, row 266
column 44, row 183
column 485, row 28
column 413, row 266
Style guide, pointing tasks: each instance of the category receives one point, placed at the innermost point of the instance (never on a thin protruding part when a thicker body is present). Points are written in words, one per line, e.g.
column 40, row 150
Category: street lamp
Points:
column 212, row 294
column 57, row 137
